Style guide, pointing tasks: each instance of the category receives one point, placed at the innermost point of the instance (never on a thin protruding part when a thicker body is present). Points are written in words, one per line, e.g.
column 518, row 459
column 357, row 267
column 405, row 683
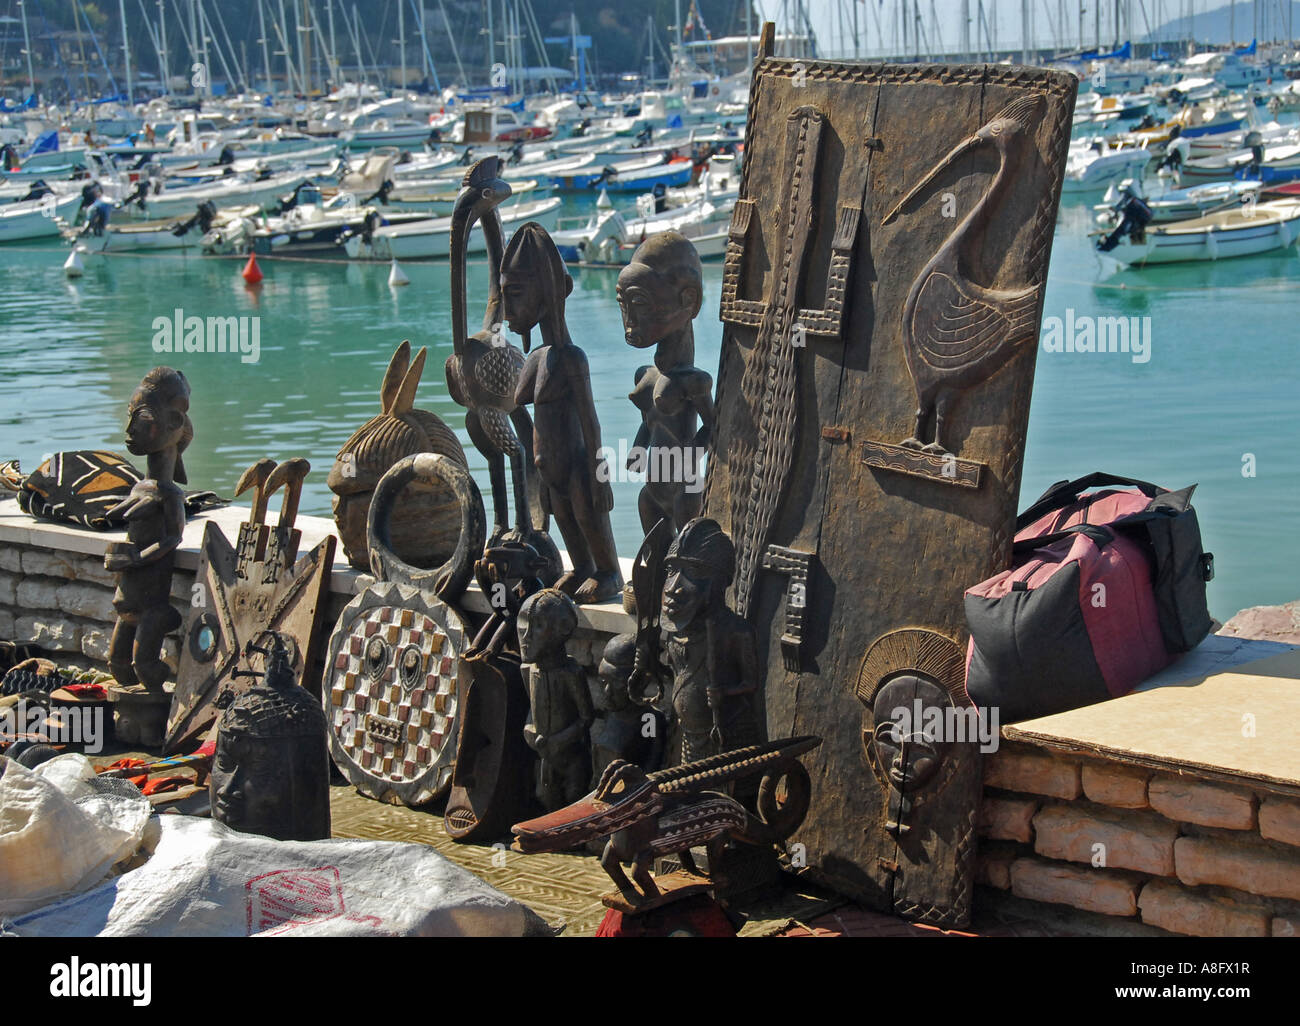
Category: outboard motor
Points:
column 204, row 215
column 96, row 220
column 287, row 203
column 660, row 194
column 1175, row 153
column 381, row 194
column 1134, row 216
column 39, row 189
column 644, row 136
column 138, row 195
column 516, row 153
column 227, row 155
column 10, row 157
column 90, row 192
column 1255, row 142
column 467, row 158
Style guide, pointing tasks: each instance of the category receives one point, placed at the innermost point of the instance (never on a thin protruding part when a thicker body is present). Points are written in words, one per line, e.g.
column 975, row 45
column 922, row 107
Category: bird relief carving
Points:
column 958, row 332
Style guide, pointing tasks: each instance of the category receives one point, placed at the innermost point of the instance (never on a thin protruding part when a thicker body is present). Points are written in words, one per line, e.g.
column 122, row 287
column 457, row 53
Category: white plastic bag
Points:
column 204, row 879
column 57, row 835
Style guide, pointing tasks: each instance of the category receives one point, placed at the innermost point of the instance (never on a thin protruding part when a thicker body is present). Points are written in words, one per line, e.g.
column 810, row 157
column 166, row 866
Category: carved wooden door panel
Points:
column 882, row 291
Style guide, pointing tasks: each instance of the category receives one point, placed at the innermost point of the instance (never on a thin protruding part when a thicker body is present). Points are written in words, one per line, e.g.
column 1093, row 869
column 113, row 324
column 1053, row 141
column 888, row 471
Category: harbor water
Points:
column 1208, row 393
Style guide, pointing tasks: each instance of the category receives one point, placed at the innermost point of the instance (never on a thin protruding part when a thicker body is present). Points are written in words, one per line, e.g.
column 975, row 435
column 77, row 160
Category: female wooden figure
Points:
column 566, row 432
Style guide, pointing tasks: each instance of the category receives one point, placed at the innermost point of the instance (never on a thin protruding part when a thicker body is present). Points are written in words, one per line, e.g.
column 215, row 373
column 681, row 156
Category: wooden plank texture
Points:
column 878, row 305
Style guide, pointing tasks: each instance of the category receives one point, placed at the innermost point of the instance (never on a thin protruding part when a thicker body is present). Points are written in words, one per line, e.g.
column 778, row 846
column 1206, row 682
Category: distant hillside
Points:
column 620, row 38
column 1212, row 27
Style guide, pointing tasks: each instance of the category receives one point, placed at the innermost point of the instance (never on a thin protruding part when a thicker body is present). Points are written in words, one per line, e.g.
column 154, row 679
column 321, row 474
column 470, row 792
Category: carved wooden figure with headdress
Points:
column 158, row 427
column 566, row 442
column 711, row 652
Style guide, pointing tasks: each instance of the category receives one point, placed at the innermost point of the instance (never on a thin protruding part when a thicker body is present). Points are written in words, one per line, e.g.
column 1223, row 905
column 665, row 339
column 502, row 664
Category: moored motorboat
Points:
column 430, row 238
column 37, row 218
column 1243, row 231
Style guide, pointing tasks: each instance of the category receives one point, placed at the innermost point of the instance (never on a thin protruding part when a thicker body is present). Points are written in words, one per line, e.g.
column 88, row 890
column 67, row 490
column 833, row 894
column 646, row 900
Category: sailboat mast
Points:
column 164, row 65
column 401, row 38
column 27, row 49
column 266, row 53
column 126, row 52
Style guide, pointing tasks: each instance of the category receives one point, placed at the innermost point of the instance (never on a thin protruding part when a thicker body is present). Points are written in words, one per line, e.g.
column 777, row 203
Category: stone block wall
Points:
column 62, row 600
column 1177, row 852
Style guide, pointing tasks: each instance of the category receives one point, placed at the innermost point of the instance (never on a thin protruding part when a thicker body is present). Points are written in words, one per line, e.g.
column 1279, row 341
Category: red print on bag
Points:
column 283, row 900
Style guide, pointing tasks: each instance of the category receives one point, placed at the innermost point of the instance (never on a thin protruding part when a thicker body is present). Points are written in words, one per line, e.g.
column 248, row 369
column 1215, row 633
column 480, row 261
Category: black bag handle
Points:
column 1100, row 534
column 1061, row 494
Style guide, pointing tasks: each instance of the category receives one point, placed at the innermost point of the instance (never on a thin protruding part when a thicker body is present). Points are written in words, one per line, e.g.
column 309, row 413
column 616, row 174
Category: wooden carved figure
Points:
column 158, row 427
column 622, row 729
column 271, row 772
column 560, row 710
column 671, row 811
column 483, row 371
column 660, row 293
column 566, row 432
column 711, row 653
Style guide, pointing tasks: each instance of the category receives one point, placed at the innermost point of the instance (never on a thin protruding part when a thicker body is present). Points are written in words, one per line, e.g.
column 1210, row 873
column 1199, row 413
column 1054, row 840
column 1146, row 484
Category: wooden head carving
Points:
column 158, row 418
column 426, row 523
column 534, row 285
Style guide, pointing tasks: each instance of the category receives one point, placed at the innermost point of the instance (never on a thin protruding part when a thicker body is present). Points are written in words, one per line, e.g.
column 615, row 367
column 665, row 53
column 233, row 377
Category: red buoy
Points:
column 252, row 273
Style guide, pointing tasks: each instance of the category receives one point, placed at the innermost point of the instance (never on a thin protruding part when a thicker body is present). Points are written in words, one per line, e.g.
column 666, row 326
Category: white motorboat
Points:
column 1092, row 166
column 430, row 238
column 150, row 202
column 36, row 219
column 1177, row 204
column 136, row 236
column 439, row 202
column 400, row 132
column 1244, row 231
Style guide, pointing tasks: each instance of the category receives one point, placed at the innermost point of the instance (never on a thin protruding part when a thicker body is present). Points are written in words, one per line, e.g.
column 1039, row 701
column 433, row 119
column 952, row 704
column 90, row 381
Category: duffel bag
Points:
column 1106, row 588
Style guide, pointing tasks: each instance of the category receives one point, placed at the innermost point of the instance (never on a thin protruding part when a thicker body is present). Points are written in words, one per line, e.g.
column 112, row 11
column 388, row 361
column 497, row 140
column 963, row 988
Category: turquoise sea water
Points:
column 1218, row 398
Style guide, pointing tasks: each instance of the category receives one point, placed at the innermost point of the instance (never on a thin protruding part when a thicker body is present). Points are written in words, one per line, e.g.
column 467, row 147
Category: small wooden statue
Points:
column 560, row 709
column 710, row 651
column 623, row 729
column 566, row 432
column 158, row 427
column 270, row 775
column 660, row 293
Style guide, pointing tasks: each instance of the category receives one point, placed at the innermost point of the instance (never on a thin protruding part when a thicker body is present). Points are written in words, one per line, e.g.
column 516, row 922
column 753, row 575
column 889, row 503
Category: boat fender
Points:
column 1211, row 243
column 1284, row 233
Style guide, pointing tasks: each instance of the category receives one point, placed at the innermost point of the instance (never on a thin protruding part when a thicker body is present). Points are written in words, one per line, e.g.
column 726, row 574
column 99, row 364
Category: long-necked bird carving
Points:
column 957, row 332
column 484, row 368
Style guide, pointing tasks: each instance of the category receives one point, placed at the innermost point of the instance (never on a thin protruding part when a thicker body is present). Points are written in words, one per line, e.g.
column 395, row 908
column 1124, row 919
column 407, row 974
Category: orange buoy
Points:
column 252, row 273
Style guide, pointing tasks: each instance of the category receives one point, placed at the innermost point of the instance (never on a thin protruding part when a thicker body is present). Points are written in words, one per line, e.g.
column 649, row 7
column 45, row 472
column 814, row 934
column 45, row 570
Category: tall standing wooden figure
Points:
column 881, row 295
column 158, row 427
column 566, row 431
column 660, row 293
